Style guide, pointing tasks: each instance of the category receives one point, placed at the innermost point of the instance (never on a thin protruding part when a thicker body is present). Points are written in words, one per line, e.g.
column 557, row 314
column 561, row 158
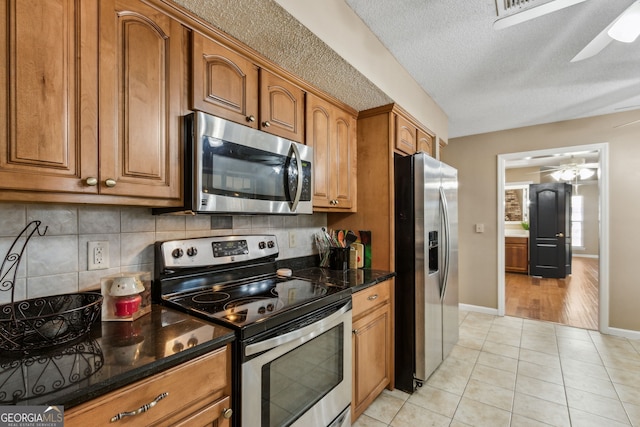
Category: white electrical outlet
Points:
column 98, row 255
column 292, row 239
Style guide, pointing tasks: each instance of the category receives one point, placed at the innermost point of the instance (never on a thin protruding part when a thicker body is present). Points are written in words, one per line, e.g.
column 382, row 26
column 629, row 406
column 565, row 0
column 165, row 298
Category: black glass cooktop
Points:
column 245, row 304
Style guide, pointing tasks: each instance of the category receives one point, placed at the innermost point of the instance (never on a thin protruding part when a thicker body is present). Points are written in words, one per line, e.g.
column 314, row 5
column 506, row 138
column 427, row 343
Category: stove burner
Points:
column 210, row 297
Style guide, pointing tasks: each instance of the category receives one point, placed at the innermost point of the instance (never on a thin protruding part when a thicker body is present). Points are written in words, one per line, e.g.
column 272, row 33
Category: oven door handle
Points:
column 311, row 331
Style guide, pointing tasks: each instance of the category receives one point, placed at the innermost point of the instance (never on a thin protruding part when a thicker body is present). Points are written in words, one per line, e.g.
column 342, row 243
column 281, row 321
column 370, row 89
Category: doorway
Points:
column 539, row 157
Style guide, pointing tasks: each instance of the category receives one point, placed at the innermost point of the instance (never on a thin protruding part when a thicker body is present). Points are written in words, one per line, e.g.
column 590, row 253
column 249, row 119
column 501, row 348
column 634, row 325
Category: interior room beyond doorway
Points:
column 576, row 299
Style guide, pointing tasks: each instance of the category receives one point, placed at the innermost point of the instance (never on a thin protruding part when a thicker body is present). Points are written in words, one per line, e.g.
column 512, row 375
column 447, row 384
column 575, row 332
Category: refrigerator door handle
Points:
column 444, row 207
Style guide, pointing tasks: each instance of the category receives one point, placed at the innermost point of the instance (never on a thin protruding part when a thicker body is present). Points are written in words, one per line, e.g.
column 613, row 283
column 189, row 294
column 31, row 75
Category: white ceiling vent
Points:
column 512, row 12
column 507, row 7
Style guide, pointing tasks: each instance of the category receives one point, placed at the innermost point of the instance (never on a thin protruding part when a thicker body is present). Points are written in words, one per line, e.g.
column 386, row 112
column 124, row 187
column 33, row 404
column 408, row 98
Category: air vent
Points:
column 508, row 7
column 512, row 12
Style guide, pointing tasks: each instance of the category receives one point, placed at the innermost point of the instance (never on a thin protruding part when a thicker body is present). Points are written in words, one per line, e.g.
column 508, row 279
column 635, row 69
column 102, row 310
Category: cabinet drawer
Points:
column 189, row 386
column 517, row 240
column 370, row 298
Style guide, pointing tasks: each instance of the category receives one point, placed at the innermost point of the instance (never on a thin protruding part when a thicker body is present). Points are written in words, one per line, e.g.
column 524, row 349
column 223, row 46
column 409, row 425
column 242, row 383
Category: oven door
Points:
column 242, row 170
column 301, row 377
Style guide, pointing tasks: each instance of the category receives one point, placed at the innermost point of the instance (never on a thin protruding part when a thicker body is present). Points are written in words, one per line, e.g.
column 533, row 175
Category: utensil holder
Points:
column 339, row 258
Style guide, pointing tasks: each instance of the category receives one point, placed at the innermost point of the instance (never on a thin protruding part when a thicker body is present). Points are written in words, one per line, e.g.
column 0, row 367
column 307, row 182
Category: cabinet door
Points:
column 405, row 136
column 319, row 138
column 331, row 132
column 516, row 255
column 425, row 142
column 225, row 84
column 281, row 107
column 48, row 95
column 217, row 414
column 141, row 73
column 371, row 357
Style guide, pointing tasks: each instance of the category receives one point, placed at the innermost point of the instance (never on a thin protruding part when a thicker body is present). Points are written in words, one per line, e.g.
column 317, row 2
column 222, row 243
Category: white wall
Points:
column 476, row 156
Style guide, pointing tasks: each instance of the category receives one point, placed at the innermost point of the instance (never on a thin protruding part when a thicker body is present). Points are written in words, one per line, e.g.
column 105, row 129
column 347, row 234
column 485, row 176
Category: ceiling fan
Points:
column 625, row 28
column 572, row 171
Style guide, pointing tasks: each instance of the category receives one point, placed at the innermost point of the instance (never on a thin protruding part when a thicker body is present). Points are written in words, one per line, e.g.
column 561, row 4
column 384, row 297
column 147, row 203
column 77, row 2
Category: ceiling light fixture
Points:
column 533, row 12
column 626, row 28
column 571, row 173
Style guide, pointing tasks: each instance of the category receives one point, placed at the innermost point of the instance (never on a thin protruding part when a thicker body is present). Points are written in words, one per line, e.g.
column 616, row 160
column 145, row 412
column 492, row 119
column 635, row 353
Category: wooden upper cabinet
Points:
column 406, row 134
column 281, row 107
column 48, row 99
column 141, row 76
column 331, row 132
column 55, row 146
column 425, row 143
column 225, row 84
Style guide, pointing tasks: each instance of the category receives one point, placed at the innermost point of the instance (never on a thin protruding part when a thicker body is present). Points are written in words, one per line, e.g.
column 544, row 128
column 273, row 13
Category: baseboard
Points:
column 625, row 333
column 586, row 255
column 478, row 309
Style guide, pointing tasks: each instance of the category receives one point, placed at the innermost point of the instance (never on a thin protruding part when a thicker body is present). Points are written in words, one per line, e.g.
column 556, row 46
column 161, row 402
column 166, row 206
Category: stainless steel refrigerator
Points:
column 426, row 257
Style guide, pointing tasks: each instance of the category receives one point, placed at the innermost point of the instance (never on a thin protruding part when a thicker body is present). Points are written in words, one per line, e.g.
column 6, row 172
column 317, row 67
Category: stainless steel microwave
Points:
column 234, row 169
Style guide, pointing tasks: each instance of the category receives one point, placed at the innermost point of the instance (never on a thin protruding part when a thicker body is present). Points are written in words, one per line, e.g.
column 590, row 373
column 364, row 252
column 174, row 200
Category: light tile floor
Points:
column 507, row 371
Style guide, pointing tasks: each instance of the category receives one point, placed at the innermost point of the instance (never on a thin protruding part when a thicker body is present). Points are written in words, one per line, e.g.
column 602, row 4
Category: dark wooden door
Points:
column 550, row 230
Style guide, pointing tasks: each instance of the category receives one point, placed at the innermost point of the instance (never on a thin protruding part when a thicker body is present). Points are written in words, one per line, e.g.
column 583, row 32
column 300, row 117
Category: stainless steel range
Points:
column 292, row 362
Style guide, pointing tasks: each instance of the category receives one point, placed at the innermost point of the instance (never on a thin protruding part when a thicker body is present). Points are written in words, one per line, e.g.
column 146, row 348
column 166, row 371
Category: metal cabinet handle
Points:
column 251, row 118
column 372, row 297
column 266, row 124
column 140, row 410
column 110, row 182
column 226, row 413
column 91, row 181
column 354, row 332
column 560, row 235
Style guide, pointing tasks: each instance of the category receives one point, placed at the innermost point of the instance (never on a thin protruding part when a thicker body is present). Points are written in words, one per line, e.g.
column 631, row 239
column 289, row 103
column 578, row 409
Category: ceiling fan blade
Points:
column 532, row 13
column 594, row 47
column 627, row 124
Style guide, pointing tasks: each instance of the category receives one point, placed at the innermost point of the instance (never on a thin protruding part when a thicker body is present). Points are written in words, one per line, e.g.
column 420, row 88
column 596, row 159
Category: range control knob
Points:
column 262, row 310
column 177, row 252
column 262, row 245
column 270, row 244
column 192, row 251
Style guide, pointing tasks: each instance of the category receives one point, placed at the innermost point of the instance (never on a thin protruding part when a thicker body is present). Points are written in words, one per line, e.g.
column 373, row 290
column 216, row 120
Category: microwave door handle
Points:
column 296, row 199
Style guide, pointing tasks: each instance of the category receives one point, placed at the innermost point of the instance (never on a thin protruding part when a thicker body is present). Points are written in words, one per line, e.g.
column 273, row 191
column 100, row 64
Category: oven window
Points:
column 298, row 379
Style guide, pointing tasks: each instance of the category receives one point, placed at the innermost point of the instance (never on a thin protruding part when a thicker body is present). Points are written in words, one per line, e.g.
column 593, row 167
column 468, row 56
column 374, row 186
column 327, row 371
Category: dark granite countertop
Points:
column 111, row 356
column 356, row 279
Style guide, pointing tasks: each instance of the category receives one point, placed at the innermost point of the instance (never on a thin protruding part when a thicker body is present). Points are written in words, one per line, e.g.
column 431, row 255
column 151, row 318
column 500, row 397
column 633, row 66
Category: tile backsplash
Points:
column 56, row 263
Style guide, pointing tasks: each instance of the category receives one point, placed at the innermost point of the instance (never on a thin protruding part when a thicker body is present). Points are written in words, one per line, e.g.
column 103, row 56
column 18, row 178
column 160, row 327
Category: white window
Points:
column 577, row 221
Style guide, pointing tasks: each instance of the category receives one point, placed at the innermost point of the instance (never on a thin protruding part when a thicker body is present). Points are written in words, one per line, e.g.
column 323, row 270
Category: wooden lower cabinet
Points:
column 198, row 395
column 372, row 345
column 516, row 254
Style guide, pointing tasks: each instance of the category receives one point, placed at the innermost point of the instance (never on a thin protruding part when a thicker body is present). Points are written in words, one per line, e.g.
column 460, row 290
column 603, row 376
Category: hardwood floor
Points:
column 570, row 301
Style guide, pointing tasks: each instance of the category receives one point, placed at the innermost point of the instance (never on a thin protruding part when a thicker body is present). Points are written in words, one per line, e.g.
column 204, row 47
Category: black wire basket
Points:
column 41, row 322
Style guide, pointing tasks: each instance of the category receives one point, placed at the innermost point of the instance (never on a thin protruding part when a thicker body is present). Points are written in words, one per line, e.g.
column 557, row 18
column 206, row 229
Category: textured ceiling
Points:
column 270, row 30
column 483, row 79
column 488, row 80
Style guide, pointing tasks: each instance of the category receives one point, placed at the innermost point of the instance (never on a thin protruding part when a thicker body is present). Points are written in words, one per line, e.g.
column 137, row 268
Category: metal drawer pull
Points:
column 227, row 413
column 372, row 297
column 143, row 408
